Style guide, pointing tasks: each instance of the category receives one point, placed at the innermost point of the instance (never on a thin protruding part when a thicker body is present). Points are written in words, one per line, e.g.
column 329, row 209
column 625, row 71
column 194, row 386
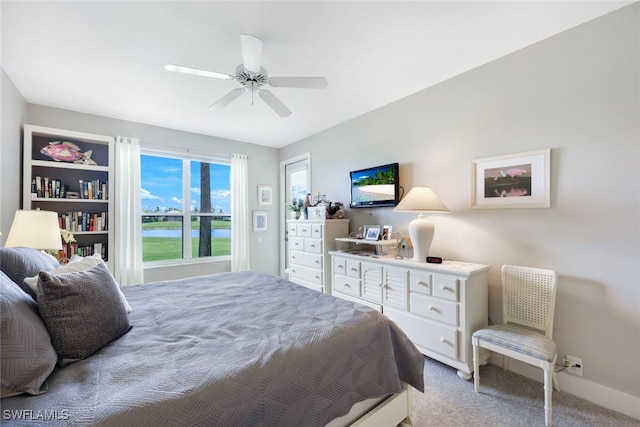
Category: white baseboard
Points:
column 593, row 392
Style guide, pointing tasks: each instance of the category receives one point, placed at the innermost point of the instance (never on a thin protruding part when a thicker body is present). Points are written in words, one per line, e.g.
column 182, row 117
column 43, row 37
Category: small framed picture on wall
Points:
column 265, row 195
column 259, row 220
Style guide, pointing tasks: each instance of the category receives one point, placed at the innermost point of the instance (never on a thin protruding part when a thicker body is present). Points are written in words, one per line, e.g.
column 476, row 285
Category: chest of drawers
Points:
column 438, row 306
column 308, row 245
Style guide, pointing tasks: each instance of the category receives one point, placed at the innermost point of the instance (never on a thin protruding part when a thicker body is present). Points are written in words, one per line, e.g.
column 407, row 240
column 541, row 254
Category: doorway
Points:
column 295, row 181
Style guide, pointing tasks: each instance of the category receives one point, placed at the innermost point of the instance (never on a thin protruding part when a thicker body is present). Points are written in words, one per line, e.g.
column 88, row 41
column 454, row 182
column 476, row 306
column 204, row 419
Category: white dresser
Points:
column 309, row 244
column 438, row 306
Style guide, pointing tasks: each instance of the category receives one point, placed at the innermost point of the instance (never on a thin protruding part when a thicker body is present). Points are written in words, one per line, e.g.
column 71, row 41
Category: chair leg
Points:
column 505, row 362
column 476, row 366
column 548, row 389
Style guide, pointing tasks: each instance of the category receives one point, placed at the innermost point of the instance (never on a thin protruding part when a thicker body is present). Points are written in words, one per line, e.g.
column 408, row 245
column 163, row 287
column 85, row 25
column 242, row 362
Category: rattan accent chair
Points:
column 528, row 304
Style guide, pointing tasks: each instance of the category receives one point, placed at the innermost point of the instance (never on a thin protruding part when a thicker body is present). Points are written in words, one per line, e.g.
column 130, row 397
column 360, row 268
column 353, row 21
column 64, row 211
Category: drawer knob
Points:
column 354, row 269
column 443, row 341
column 432, row 308
column 313, row 246
column 317, row 262
column 346, row 285
column 445, row 288
column 420, row 282
column 318, row 277
column 340, row 266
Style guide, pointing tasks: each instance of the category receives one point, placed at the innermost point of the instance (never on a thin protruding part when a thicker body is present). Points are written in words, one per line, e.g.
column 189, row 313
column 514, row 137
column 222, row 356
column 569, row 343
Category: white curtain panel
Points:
column 239, row 213
column 128, row 224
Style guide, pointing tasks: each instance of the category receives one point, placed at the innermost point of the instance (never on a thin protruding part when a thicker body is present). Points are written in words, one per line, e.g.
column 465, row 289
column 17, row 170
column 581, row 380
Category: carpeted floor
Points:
column 505, row 399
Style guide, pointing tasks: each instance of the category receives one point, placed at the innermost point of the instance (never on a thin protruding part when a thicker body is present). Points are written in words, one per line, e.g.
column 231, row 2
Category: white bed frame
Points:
column 388, row 411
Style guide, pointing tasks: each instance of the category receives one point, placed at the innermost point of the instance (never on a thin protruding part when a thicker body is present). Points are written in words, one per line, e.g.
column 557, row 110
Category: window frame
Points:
column 186, row 158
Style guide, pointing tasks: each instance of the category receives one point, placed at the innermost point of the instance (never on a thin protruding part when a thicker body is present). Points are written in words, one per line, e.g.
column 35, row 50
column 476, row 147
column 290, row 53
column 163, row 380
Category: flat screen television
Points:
column 375, row 187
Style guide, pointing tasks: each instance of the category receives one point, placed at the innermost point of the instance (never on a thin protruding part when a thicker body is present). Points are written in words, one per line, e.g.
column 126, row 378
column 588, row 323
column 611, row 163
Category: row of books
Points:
column 54, row 189
column 84, row 221
column 71, row 249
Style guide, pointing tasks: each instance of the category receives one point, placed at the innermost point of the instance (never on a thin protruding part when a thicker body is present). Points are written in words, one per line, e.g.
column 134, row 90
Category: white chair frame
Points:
column 528, row 305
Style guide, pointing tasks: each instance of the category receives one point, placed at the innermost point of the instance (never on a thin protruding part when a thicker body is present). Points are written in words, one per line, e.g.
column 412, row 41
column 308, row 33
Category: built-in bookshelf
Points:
column 77, row 188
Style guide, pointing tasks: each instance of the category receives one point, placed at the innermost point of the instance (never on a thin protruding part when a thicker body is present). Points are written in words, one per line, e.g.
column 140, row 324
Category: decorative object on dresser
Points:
column 36, row 229
column 78, row 192
column 421, row 199
column 438, row 306
column 309, row 243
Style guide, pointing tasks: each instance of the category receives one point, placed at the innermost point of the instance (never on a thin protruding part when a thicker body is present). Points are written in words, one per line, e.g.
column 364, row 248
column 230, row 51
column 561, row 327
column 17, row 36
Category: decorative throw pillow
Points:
column 83, row 311
column 18, row 263
column 27, row 354
column 77, row 263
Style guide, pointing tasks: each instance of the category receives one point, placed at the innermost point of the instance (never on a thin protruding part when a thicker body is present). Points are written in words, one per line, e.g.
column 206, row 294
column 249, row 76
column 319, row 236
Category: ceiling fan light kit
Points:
column 252, row 76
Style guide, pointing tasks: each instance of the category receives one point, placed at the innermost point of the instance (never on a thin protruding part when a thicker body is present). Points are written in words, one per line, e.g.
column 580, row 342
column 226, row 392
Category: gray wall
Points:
column 576, row 93
column 14, row 111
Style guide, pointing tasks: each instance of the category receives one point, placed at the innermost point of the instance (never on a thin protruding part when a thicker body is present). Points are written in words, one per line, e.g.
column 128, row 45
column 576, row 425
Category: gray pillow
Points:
column 27, row 354
column 18, row 263
column 83, row 311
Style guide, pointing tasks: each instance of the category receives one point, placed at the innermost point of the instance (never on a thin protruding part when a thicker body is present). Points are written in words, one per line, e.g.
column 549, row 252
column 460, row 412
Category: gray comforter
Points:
column 231, row 349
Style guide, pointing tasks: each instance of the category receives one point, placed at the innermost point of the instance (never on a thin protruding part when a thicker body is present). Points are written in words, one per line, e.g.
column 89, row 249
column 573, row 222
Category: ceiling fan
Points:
column 252, row 76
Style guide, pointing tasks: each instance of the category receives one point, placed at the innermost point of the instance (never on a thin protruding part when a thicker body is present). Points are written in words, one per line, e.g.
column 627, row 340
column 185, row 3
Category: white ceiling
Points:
column 107, row 58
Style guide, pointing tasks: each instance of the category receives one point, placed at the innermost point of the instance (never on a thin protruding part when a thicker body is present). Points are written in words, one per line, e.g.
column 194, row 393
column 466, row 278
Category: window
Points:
column 186, row 208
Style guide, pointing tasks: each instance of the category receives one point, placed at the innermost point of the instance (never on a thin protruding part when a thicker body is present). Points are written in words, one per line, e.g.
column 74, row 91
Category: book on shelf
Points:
column 53, row 188
column 84, row 221
column 71, row 249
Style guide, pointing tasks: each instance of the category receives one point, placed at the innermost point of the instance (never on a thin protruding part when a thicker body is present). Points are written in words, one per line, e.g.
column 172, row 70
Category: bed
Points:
column 230, row 349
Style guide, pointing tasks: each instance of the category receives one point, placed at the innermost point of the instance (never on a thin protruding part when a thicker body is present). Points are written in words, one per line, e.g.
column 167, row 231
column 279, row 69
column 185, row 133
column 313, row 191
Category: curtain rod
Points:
column 173, row 148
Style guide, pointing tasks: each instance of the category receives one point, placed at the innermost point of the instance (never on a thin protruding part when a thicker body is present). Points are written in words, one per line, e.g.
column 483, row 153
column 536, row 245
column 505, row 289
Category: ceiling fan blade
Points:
column 227, row 99
column 251, row 52
column 197, row 72
column 299, row 82
column 275, row 104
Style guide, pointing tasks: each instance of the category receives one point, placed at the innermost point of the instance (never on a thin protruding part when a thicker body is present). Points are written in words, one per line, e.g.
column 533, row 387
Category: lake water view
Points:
column 220, row 233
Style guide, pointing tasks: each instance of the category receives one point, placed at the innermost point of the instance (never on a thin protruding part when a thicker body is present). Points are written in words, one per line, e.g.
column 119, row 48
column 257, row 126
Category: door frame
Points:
column 283, row 209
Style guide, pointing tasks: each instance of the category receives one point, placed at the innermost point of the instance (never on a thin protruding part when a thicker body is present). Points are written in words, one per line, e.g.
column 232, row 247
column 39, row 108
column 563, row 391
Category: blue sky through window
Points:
column 161, row 180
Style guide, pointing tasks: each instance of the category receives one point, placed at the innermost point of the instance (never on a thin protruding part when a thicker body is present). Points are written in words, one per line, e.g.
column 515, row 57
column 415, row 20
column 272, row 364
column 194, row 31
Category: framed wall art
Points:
column 265, row 195
column 259, row 220
column 512, row 181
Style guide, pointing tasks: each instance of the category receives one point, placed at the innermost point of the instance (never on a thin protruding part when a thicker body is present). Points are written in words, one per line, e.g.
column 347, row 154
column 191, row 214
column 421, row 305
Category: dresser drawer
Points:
column 305, row 273
column 313, row 246
column 445, row 287
column 430, row 335
column 420, row 282
column 303, row 230
column 434, row 308
column 346, row 285
column 296, row 243
column 292, row 229
column 353, row 268
column 316, row 231
column 306, row 259
column 339, row 266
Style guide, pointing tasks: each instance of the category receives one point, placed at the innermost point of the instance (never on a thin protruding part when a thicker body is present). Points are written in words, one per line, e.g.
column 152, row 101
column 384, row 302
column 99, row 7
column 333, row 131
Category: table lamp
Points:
column 421, row 199
column 35, row 229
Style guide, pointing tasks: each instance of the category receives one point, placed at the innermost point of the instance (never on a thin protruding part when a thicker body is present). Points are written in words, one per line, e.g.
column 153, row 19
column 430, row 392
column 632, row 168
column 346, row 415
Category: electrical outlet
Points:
column 574, row 365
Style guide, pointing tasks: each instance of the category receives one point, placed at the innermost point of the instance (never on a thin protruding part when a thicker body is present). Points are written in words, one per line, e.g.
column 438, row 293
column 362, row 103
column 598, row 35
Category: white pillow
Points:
column 76, row 263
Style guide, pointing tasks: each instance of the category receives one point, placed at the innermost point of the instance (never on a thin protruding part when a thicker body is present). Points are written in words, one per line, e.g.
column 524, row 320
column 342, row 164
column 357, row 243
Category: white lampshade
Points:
column 35, row 229
column 421, row 199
